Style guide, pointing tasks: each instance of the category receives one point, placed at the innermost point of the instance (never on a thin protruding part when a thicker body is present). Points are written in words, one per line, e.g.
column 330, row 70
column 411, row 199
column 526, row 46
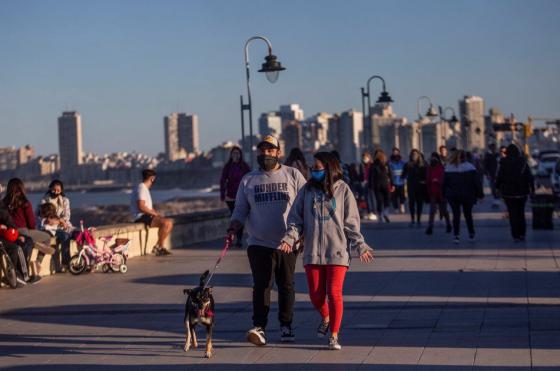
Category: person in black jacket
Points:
column 462, row 187
column 380, row 184
column 415, row 174
column 515, row 182
column 490, row 170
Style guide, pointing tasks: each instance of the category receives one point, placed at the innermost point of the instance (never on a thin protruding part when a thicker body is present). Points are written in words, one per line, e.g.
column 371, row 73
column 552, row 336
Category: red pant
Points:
column 326, row 280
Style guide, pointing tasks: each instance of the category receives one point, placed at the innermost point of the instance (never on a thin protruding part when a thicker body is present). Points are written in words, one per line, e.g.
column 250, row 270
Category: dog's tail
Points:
column 203, row 278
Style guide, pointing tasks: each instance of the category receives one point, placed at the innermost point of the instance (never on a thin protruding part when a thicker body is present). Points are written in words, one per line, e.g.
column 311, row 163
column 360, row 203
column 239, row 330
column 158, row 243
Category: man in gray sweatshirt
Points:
column 264, row 199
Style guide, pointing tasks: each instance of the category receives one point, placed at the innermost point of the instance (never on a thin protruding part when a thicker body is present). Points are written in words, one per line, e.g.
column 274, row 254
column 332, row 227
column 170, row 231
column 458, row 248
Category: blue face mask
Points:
column 318, row 175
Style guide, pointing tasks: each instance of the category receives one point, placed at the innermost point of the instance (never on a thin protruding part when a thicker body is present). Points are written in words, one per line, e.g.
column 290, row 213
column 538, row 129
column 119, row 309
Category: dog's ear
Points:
column 187, row 292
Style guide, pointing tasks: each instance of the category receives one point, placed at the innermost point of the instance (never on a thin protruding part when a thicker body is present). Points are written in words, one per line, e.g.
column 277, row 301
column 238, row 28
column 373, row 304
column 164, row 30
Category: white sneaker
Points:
column 372, row 216
column 256, row 336
column 333, row 344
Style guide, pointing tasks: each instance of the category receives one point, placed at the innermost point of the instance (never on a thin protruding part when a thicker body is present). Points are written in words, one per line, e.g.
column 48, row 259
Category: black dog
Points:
column 199, row 309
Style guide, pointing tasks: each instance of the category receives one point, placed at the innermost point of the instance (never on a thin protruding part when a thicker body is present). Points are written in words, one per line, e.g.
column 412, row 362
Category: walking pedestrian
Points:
column 263, row 202
column 462, row 187
column 232, row 173
column 325, row 215
column 367, row 194
column 415, row 174
column 296, row 159
column 515, row 182
column 380, row 184
column 396, row 164
column 434, row 182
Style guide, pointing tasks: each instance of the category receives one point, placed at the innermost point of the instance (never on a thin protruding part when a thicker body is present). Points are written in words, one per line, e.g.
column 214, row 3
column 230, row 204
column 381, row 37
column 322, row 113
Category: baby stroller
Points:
column 92, row 258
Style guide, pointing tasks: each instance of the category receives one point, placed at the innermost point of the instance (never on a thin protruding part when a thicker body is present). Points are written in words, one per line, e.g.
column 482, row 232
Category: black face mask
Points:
column 53, row 195
column 434, row 162
column 267, row 163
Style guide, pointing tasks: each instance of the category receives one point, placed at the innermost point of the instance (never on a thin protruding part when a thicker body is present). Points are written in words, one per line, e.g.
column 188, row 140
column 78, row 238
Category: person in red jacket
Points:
column 21, row 213
column 434, row 182
column 234, row 170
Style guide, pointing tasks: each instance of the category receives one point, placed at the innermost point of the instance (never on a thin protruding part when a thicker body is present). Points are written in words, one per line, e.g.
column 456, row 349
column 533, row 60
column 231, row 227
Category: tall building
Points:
column 270, row 123
column 70, row 142
column 292, row 136
column 350, row 136
column 384, row 130
column 173, row 151
column 289, row 113
column 471, row 110
column 11, row 157
column 188, row 133
column 180, row 135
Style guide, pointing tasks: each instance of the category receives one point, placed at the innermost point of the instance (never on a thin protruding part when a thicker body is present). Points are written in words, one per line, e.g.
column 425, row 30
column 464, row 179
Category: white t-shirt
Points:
column 140, row 193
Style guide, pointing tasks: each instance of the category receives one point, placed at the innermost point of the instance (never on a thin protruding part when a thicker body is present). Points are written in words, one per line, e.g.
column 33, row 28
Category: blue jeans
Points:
column 64, row 239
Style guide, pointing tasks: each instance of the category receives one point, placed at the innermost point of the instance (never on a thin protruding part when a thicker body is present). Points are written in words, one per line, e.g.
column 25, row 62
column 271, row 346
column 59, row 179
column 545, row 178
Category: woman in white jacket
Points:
column 325, row 215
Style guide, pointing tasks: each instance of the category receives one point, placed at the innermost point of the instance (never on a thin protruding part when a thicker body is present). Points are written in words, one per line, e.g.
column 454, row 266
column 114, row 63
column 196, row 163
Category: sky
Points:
column 125, row 64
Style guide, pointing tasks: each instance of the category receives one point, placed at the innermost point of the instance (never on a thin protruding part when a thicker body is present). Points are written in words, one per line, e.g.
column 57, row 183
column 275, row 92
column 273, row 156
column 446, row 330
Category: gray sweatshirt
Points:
column 263, row 201
column 330, row 227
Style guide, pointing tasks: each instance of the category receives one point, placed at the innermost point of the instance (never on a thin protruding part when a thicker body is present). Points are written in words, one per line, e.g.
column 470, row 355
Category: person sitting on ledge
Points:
column 143, row 211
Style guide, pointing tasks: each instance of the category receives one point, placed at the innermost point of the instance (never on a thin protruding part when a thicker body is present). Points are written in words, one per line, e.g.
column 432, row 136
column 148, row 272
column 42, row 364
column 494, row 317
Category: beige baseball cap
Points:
column 269, row 140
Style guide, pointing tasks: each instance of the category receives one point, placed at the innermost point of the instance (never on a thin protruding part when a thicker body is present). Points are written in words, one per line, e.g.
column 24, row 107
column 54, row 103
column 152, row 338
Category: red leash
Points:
column 229, row 240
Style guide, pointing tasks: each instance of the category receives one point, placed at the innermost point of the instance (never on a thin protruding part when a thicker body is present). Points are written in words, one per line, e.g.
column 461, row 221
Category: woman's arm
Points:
column 352, row 225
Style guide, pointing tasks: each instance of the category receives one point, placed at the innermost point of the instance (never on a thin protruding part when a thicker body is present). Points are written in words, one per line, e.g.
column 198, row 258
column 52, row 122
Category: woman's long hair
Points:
column 380, row 157
column 238, row 149
column 15, row 195
column 56, row 182
column 457, row 157
column 420, row 160
column 333, row 173
column 296, row 155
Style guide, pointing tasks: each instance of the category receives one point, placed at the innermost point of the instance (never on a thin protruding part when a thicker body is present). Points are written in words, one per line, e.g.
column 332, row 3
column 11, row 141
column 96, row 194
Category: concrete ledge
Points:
column 188, row 229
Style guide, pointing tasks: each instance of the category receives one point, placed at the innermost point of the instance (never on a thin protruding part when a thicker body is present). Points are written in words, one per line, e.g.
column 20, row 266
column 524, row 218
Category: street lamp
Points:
column 271, row 68
column 452, row 121
column 384, row 97
column 430, row 113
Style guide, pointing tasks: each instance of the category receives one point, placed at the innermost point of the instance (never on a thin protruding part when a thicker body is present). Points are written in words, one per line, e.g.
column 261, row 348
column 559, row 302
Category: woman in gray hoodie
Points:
column 325, row 216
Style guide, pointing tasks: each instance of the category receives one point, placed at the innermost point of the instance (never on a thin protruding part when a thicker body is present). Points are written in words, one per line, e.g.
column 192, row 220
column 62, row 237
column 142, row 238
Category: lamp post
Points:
column 384, row 97
column 271, row 67
column 452, row 121
column 430, row 113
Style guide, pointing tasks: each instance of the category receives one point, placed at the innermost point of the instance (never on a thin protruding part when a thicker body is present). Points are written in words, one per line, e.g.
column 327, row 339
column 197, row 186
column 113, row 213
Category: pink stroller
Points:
column 92, row 258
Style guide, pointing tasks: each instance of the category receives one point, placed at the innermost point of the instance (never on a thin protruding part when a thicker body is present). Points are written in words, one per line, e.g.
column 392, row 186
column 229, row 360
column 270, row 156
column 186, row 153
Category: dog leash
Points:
column 229, row 240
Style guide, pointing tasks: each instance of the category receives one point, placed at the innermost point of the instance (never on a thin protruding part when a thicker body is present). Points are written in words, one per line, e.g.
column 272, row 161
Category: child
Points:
column 326, row 215
column 56, row 227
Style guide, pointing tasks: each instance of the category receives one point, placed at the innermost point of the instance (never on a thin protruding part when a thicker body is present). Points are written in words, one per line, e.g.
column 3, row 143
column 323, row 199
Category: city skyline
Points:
column 112, row 64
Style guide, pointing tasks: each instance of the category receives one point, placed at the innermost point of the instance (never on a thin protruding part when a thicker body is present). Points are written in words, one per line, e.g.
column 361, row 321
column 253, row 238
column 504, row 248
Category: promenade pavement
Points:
column 424, row 304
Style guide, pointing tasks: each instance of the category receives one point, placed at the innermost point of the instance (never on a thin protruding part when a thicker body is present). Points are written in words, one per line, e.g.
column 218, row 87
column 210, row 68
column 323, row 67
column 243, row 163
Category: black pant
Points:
column 456, row 206
column 398, row 197
column 436, row 204
column 516, row 210
column 231, row 207
column 269, row 265
column 381, row 199
column 415, row 204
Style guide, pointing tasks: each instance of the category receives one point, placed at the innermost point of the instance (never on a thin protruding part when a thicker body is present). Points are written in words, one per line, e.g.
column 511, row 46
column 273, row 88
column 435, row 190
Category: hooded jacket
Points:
column 330, row 226
column 462, row 183
column 514, row 178
column 232, row 174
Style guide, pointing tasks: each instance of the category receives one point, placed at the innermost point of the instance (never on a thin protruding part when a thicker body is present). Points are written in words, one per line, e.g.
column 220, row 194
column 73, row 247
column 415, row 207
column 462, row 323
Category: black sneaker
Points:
column 429, row 231
column 456, row 239
column 287, row 335
column 256, row 336
column 34, row 279
column 448, row 228
column 323, row 329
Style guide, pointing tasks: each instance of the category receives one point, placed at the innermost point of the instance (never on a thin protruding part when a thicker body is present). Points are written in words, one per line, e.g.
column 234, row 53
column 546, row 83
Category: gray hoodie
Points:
column 330, row 227
column 263, row 201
